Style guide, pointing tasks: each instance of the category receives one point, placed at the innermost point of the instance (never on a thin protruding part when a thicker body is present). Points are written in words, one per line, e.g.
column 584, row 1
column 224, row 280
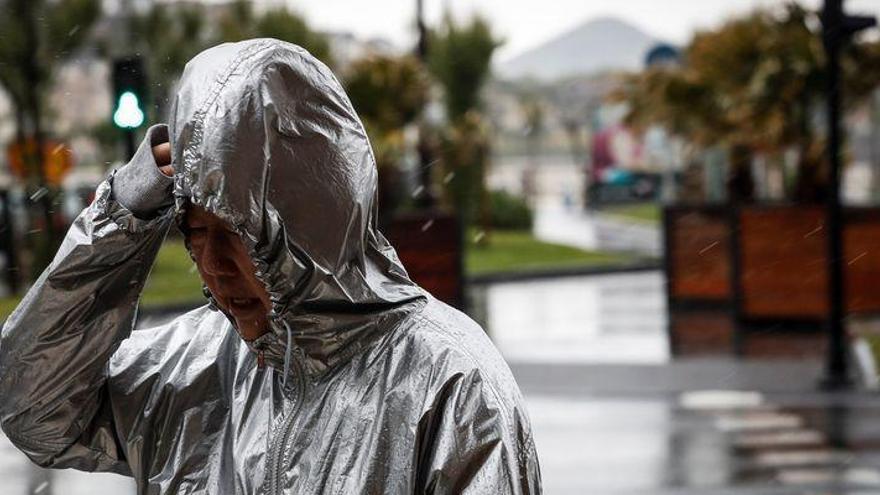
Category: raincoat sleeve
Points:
column 478, row 440
column 55, row 347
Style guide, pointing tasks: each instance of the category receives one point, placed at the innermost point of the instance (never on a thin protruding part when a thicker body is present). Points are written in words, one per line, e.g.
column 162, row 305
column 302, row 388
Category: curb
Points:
column 637, row 266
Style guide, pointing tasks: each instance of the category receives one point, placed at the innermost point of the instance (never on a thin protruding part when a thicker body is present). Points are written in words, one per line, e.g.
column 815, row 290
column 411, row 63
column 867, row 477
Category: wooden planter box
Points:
column 753, row 280
column 429, row 245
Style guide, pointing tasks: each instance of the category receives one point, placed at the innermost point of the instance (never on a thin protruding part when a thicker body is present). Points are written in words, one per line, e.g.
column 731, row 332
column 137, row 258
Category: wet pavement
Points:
column 595, row 230
column 618, row 318
column 613, row 445
column 557, row 198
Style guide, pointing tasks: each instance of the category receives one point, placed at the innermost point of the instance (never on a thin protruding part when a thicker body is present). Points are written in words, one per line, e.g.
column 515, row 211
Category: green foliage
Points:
column 174, row 280
column 388, row 92
column 460, row 58
column 287, row 26
column 241, row 22
column 752, row 85
column 723, row 87
column 649, row 213
column 464, row 152
column 238, row 22
column 35, row 37
column 170, row 34
column 509, row 212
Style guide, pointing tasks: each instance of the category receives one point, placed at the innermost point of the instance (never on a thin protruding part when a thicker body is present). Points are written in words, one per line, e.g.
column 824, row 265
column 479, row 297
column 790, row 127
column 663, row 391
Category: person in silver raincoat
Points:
column 363, row 383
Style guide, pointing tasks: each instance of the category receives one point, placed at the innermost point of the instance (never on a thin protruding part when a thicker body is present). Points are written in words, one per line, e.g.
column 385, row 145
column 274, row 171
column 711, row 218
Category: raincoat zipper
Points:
column 275, row 460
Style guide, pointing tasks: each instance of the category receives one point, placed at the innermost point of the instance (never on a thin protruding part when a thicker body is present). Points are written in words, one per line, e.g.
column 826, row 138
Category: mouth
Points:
column 243, row 305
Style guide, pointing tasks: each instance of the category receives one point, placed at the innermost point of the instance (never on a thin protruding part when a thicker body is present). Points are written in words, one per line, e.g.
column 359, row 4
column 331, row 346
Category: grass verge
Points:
column 647, row 213
column 519, row 251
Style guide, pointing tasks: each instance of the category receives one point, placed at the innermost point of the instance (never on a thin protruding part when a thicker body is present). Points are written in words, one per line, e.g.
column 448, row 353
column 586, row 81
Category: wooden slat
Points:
column 783, row 267
column 430, row 249
column 699, row 263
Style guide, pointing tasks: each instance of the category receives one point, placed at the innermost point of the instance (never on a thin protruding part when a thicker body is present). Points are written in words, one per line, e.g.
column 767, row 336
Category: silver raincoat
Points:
column 370, row 384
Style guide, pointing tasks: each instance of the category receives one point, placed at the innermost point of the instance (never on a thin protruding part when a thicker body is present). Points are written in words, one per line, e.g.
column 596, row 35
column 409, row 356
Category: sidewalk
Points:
column 595, row 230
column 614, row 414
column 709, row 426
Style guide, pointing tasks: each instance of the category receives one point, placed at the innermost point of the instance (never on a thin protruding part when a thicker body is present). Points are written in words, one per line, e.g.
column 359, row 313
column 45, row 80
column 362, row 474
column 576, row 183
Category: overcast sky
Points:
column 525, row 24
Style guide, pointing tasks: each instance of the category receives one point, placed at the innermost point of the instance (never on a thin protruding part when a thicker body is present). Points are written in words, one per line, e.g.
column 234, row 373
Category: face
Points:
column 227, row 270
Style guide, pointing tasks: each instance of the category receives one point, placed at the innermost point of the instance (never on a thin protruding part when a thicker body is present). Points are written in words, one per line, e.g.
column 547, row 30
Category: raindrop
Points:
column 418, row 191
column 60, row 147
column 814, row 231
column 38, row 195
column 857, row 258
column 710, row 246
column 479, row 235
column 42, row 486
column 427, row 225
column 34, row 231
column 431, row 163
column 73, row 31
column 449, row 177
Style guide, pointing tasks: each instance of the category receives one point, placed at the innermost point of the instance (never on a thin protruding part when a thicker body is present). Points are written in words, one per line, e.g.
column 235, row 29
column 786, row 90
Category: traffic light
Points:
column 129, row 92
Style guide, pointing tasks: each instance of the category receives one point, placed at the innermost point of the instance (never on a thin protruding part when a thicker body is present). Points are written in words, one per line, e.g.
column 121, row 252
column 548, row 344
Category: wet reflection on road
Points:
column 618, row 318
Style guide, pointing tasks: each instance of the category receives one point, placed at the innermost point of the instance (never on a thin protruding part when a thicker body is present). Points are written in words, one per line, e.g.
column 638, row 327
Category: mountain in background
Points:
column 597, row 45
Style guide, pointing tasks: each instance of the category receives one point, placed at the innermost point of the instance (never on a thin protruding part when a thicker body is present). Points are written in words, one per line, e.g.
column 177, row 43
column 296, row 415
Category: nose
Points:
column 216, row 260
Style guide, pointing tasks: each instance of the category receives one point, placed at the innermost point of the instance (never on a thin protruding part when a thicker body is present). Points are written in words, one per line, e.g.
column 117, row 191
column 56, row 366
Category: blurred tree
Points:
column 241, row 22
column 170, row 34
column 465, row 152
column 754, row 85
column 460, row 58
column 533, row 131
column 36, row 36
column 388, row 93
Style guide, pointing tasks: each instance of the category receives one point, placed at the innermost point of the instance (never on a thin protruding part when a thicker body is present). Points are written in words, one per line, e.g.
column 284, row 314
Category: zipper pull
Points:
column 261, row 360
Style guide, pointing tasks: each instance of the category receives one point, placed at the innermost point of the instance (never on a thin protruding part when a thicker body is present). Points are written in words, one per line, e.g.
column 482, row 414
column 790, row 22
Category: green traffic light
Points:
column 128, row 114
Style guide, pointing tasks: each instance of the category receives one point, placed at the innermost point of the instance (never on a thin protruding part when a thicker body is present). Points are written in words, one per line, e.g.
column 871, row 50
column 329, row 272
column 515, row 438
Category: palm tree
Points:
column 460, row 59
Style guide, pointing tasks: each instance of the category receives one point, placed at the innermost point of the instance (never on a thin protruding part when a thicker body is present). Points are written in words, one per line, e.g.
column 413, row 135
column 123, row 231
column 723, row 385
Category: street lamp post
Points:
column 837, row 28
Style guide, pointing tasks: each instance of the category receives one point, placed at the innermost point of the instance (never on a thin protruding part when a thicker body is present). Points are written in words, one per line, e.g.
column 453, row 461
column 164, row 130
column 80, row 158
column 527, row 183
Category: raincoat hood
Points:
column 264, row 136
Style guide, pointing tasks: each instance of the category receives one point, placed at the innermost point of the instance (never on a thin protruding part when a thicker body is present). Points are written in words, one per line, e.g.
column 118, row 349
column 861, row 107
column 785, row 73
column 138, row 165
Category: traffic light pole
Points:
column 129, row 144
column 129, row 95
column 837, row 28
